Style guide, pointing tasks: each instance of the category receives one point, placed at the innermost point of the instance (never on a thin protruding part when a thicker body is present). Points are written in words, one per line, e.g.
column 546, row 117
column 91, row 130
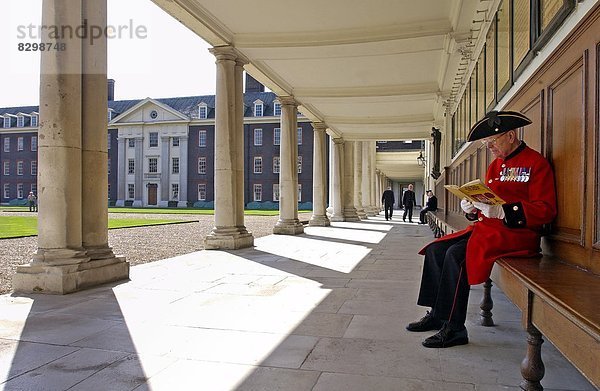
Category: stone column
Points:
column 226, row 234
column 72, row 143
column 165, row 173
column 288, row 223
column 378, row 189
column 349, row 208
column 121, row 171
column 139, row 172
column 319, row 217
column 367, row 184
column 337, row 178
column 183, row 173
column 358, row 173
column 373, row 176
column 330, row 184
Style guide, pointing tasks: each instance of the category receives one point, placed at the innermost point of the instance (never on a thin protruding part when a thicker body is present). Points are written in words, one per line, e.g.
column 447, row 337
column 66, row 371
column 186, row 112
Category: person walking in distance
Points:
column 524, row 179
column 430, row 206
column 408, row 201
column 388, row 202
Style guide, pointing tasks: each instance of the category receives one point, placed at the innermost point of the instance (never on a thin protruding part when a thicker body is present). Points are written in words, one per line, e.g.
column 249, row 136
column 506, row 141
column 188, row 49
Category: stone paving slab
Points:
column 324, row 310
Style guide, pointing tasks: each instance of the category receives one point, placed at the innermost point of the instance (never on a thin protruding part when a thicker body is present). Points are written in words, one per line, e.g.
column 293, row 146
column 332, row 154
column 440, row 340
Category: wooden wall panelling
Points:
column 596, row 155
column 533, row 134
column 565, row 140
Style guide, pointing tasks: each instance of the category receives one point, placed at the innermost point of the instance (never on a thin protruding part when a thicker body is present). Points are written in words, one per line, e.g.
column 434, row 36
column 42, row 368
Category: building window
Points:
column 202, row 165
column 34, row 120
column 109, row 116
column 6, row 168
column 107, row 141
column 20, row 121
column 257, row 192
column 6, row 190
column 299, row 164
column 153, row 139
column 299, row 136
column 34, row 167
column 258, row 165
column 258, row 137
column 131, row 166
column 6, row 122
column 20, row 167
column 19, row 143
column 202, row 112
column 201, row 192
column 175, row 165
column 276, row 192
column 6, row 144
column 299, row 192
column 109, row 166
column 108, row 195
column 258, row 109
column 277, row 136
column 152, row 164
column 130, row 191
column 175, row 191
column 175, row 141
column 202, row 138
column 34, row 188
column 131, row 143
column 20, row 192
column 276, row 164
column 277, row 109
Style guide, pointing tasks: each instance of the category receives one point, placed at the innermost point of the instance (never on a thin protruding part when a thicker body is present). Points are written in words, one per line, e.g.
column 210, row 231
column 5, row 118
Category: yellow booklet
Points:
column 476, row 191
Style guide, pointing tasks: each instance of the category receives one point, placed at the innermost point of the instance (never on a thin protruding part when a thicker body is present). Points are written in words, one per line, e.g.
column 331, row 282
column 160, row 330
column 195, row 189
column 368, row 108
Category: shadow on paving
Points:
column 79, row 341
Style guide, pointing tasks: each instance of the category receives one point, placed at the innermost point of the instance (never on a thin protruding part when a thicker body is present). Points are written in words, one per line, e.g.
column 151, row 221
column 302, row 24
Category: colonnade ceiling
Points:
column 370, row 70
column 400, row 166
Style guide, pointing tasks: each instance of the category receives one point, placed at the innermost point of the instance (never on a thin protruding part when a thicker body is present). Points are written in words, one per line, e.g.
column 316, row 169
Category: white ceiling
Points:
column 370, row 70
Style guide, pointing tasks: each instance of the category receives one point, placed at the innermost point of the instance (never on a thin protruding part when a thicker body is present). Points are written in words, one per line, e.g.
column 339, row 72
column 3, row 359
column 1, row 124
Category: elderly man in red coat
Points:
column 524, row 179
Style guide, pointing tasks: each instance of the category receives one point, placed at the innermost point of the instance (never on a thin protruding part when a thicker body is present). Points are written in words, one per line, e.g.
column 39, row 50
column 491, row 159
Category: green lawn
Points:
column 17, row 226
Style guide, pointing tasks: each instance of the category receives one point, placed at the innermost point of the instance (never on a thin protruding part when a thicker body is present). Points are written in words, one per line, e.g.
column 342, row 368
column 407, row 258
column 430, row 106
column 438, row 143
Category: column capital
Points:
column 224, row 53
column 287, row 100
column 319, row 126
column 377, row 171
column 338, row 140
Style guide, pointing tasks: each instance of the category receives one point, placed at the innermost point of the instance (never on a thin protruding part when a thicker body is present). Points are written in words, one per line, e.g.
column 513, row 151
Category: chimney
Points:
column 253, row 85
column 111, row 89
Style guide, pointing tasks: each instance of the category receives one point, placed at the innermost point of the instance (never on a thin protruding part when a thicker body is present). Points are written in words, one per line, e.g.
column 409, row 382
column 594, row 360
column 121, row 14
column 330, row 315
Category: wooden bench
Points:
column 556, row 299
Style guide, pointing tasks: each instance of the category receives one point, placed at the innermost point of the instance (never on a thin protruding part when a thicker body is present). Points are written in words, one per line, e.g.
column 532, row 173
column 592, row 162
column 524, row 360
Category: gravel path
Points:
column 138, row 245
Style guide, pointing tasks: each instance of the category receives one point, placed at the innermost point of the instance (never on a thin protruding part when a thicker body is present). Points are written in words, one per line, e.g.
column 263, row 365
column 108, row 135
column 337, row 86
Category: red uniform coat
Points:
column 526, row 182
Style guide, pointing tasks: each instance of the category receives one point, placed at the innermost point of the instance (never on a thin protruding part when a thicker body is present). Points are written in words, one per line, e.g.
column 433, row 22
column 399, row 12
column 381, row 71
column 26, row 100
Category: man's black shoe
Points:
column 447, row 338
column 426, row 323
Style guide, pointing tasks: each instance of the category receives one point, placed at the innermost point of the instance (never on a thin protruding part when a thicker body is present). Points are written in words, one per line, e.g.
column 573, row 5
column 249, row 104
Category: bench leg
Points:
column 532, row 367
column 486, row 305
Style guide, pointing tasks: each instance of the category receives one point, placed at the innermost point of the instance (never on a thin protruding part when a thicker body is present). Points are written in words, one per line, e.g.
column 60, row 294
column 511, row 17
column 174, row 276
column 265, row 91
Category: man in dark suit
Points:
column 408, row 201
column 388, row 202
column 430, row 206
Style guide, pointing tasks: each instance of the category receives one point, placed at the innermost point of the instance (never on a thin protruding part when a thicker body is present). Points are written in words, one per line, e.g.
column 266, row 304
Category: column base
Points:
column 350, row 214
column 362, row 214
column 288, row 227
column 63, row 279
column 319, row 221
column 120, row 203
column 371, row 211
column 137, row 204
column 228, row 238
column 337, row 218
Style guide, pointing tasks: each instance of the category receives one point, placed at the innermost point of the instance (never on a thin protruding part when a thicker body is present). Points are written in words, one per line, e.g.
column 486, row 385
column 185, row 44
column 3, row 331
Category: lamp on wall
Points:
column 421, row 159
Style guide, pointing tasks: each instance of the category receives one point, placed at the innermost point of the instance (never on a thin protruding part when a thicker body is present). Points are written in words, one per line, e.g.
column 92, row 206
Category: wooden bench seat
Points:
column 556, row 299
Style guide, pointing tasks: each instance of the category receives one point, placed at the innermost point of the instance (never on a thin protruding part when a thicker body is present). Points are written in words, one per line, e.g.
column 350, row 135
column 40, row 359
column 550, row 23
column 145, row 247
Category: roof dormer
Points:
column 259, row 107
column 202, row 111
column 34, row 119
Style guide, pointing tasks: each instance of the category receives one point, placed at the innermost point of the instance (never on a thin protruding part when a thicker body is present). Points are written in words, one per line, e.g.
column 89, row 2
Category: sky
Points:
column 167, row 60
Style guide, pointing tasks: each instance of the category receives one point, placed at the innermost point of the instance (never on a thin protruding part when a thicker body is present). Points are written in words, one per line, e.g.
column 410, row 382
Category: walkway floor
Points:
column 323, row 311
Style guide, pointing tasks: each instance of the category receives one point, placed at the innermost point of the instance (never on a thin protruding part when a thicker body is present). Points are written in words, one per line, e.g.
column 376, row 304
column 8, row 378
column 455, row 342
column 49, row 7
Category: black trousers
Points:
column 407, row 209
column 423, row 214
column 389, row 210
column 444, row 285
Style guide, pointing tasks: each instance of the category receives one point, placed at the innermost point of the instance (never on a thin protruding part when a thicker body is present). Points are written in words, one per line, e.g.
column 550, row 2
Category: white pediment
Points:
column 149, row 111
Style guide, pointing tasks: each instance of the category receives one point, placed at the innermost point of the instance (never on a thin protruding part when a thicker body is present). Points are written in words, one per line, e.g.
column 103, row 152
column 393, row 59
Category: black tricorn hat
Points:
column 497, row 122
